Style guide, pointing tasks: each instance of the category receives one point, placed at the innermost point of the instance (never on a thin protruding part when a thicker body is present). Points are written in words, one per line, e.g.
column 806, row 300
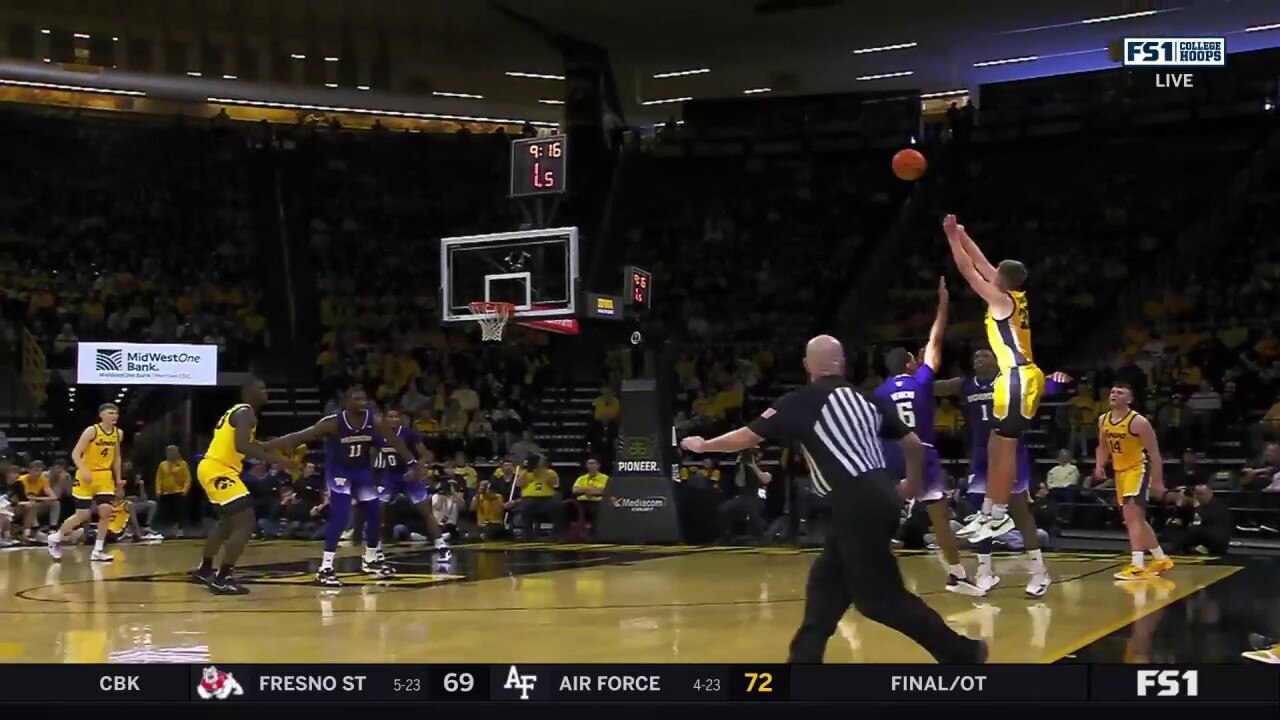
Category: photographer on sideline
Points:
column 747, row 505
column 538, row 495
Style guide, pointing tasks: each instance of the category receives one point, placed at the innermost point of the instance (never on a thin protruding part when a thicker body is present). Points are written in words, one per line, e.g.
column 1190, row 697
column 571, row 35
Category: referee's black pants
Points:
column 857, row 567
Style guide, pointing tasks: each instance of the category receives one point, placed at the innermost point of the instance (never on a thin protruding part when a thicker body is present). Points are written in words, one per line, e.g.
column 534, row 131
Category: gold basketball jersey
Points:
column 103, row 449
column 222, row 448
column 1010, row 337
column 1126, row 447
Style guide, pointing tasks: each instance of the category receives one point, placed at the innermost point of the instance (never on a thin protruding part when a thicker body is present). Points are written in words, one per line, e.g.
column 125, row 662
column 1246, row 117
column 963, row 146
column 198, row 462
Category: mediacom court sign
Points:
column 101, row 363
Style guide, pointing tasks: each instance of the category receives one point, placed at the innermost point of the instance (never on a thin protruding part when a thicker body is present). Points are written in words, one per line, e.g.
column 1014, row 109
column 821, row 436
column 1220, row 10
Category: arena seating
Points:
column 103, row 218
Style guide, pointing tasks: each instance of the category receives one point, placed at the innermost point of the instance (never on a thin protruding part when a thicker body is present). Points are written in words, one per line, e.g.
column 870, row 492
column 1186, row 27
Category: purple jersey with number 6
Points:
column 912, row 397
column 393, row 481
column 347, row 457
column 977, row 405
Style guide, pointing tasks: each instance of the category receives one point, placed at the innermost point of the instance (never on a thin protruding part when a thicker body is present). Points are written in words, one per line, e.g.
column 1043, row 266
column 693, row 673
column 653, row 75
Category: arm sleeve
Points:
column 891, row 426
column 778, row 419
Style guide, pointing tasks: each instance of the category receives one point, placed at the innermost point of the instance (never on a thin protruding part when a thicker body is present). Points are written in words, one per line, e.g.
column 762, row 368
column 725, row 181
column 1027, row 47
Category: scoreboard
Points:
column 539, row 166
column 1031, row 687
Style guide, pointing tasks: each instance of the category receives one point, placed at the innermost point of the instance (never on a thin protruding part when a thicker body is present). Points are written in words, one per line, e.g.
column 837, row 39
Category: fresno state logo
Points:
column 217, row 685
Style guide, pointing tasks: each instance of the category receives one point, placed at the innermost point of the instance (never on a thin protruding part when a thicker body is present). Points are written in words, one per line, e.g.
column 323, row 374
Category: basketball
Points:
column 909, row 164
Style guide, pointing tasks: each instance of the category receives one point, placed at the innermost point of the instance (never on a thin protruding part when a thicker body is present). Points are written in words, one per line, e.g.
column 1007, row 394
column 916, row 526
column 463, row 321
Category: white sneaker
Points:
column 346, row 535
column 417, row 537
column 992, row 528
column 972, row 523
column 101, row 556
column 151, row 536
column 55, row 547
column 1039, row 585
column 986, row 582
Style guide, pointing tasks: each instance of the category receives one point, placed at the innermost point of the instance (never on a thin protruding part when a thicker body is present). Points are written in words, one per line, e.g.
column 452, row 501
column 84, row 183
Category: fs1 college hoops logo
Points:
column 217, row 685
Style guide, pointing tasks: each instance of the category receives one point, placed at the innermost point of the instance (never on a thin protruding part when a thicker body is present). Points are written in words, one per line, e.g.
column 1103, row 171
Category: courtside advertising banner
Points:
column 106, row 363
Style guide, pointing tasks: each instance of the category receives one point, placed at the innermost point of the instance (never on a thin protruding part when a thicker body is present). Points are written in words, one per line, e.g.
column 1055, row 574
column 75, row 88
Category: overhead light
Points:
column 368, row 111
column 82, row 36
column 193, row 73
column 229, row 77
column 1112, row 18
column 362, row 87
column 682, row 73
column 549, row 101
column 665, row 101
column 1007, row 61
column 756, row 91
column 537, row 76
column 331, row 85
column 331, row 59
column 297, row 56
column 115, row 38
column 943, row 93
column 45, row 31
column 1261, row 28
column 882, row 48
column 457, row 95
column 47, row 60
column 882, row 76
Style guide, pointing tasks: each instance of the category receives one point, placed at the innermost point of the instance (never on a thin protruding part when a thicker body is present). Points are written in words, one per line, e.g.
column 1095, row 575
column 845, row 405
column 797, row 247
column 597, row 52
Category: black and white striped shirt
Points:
column 838, row 428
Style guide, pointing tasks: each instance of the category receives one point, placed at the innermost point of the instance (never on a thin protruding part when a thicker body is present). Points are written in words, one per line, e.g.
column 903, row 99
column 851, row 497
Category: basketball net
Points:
column 492, row 318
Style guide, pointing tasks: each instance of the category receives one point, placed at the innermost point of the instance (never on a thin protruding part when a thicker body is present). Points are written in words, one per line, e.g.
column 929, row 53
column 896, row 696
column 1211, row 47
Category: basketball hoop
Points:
column 493, row 317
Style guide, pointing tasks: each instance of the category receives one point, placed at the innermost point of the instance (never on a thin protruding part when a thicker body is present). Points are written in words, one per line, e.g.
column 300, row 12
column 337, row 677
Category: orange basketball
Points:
column 909, row 164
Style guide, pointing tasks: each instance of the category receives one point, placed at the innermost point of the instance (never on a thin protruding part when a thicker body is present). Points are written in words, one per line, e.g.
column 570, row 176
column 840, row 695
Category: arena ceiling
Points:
column 468, row 47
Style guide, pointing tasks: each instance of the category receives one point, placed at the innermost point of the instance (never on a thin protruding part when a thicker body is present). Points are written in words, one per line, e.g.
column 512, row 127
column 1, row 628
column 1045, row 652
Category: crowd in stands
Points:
column 101, row 221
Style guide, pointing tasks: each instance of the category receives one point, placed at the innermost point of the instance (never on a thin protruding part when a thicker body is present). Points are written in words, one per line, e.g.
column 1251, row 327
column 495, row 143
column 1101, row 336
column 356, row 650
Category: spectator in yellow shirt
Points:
column 173, row 481
column 588, row 489
column 41, row 499
column 605, row 413
column 489, row 507
column 538, row 495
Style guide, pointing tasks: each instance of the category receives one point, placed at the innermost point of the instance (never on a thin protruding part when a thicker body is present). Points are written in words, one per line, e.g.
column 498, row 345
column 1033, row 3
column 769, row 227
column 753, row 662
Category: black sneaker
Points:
column 328, row 578
column 227, row 586
column 201, row 577
column 377, row 568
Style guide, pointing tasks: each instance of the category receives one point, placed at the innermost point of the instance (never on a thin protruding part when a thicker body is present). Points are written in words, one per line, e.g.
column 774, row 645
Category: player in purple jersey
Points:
column 976, row 401
column 909, row 390
column 349, row 441
column 395, row 480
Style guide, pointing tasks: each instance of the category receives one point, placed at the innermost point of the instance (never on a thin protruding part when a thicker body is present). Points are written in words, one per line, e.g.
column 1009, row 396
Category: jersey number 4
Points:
column 908, row 414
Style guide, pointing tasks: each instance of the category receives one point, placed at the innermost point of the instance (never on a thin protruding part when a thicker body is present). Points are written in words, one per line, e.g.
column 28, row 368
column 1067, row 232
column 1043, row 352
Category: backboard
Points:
column 536, row 270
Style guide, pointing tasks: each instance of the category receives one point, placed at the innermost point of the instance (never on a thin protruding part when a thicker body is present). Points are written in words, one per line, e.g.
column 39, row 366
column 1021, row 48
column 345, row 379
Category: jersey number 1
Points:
column 907, row 413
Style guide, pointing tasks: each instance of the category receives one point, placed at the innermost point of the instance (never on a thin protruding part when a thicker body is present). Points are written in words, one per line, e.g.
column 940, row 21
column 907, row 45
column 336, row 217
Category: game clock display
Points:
column 538, row 166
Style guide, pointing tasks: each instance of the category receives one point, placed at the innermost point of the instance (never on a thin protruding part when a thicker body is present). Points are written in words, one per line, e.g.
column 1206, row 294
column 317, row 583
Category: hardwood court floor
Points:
column 510, row 602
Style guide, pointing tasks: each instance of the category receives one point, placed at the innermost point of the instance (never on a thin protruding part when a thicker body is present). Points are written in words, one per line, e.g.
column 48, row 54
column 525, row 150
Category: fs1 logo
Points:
column 1175, row 52
column 1169, row 683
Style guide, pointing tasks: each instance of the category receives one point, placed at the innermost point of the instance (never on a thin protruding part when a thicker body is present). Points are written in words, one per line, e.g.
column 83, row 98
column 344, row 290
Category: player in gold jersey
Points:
column 1126, row 439
column 98, row 481
column 234, row 439
column 1020, row 383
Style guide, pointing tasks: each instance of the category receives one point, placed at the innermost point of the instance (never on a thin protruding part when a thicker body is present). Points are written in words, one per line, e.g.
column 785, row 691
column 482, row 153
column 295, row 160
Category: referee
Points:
column 839, row 431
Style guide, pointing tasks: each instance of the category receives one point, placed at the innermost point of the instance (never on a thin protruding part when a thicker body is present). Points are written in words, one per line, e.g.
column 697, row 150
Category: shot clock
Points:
column 538, row 166
column 639, row 286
